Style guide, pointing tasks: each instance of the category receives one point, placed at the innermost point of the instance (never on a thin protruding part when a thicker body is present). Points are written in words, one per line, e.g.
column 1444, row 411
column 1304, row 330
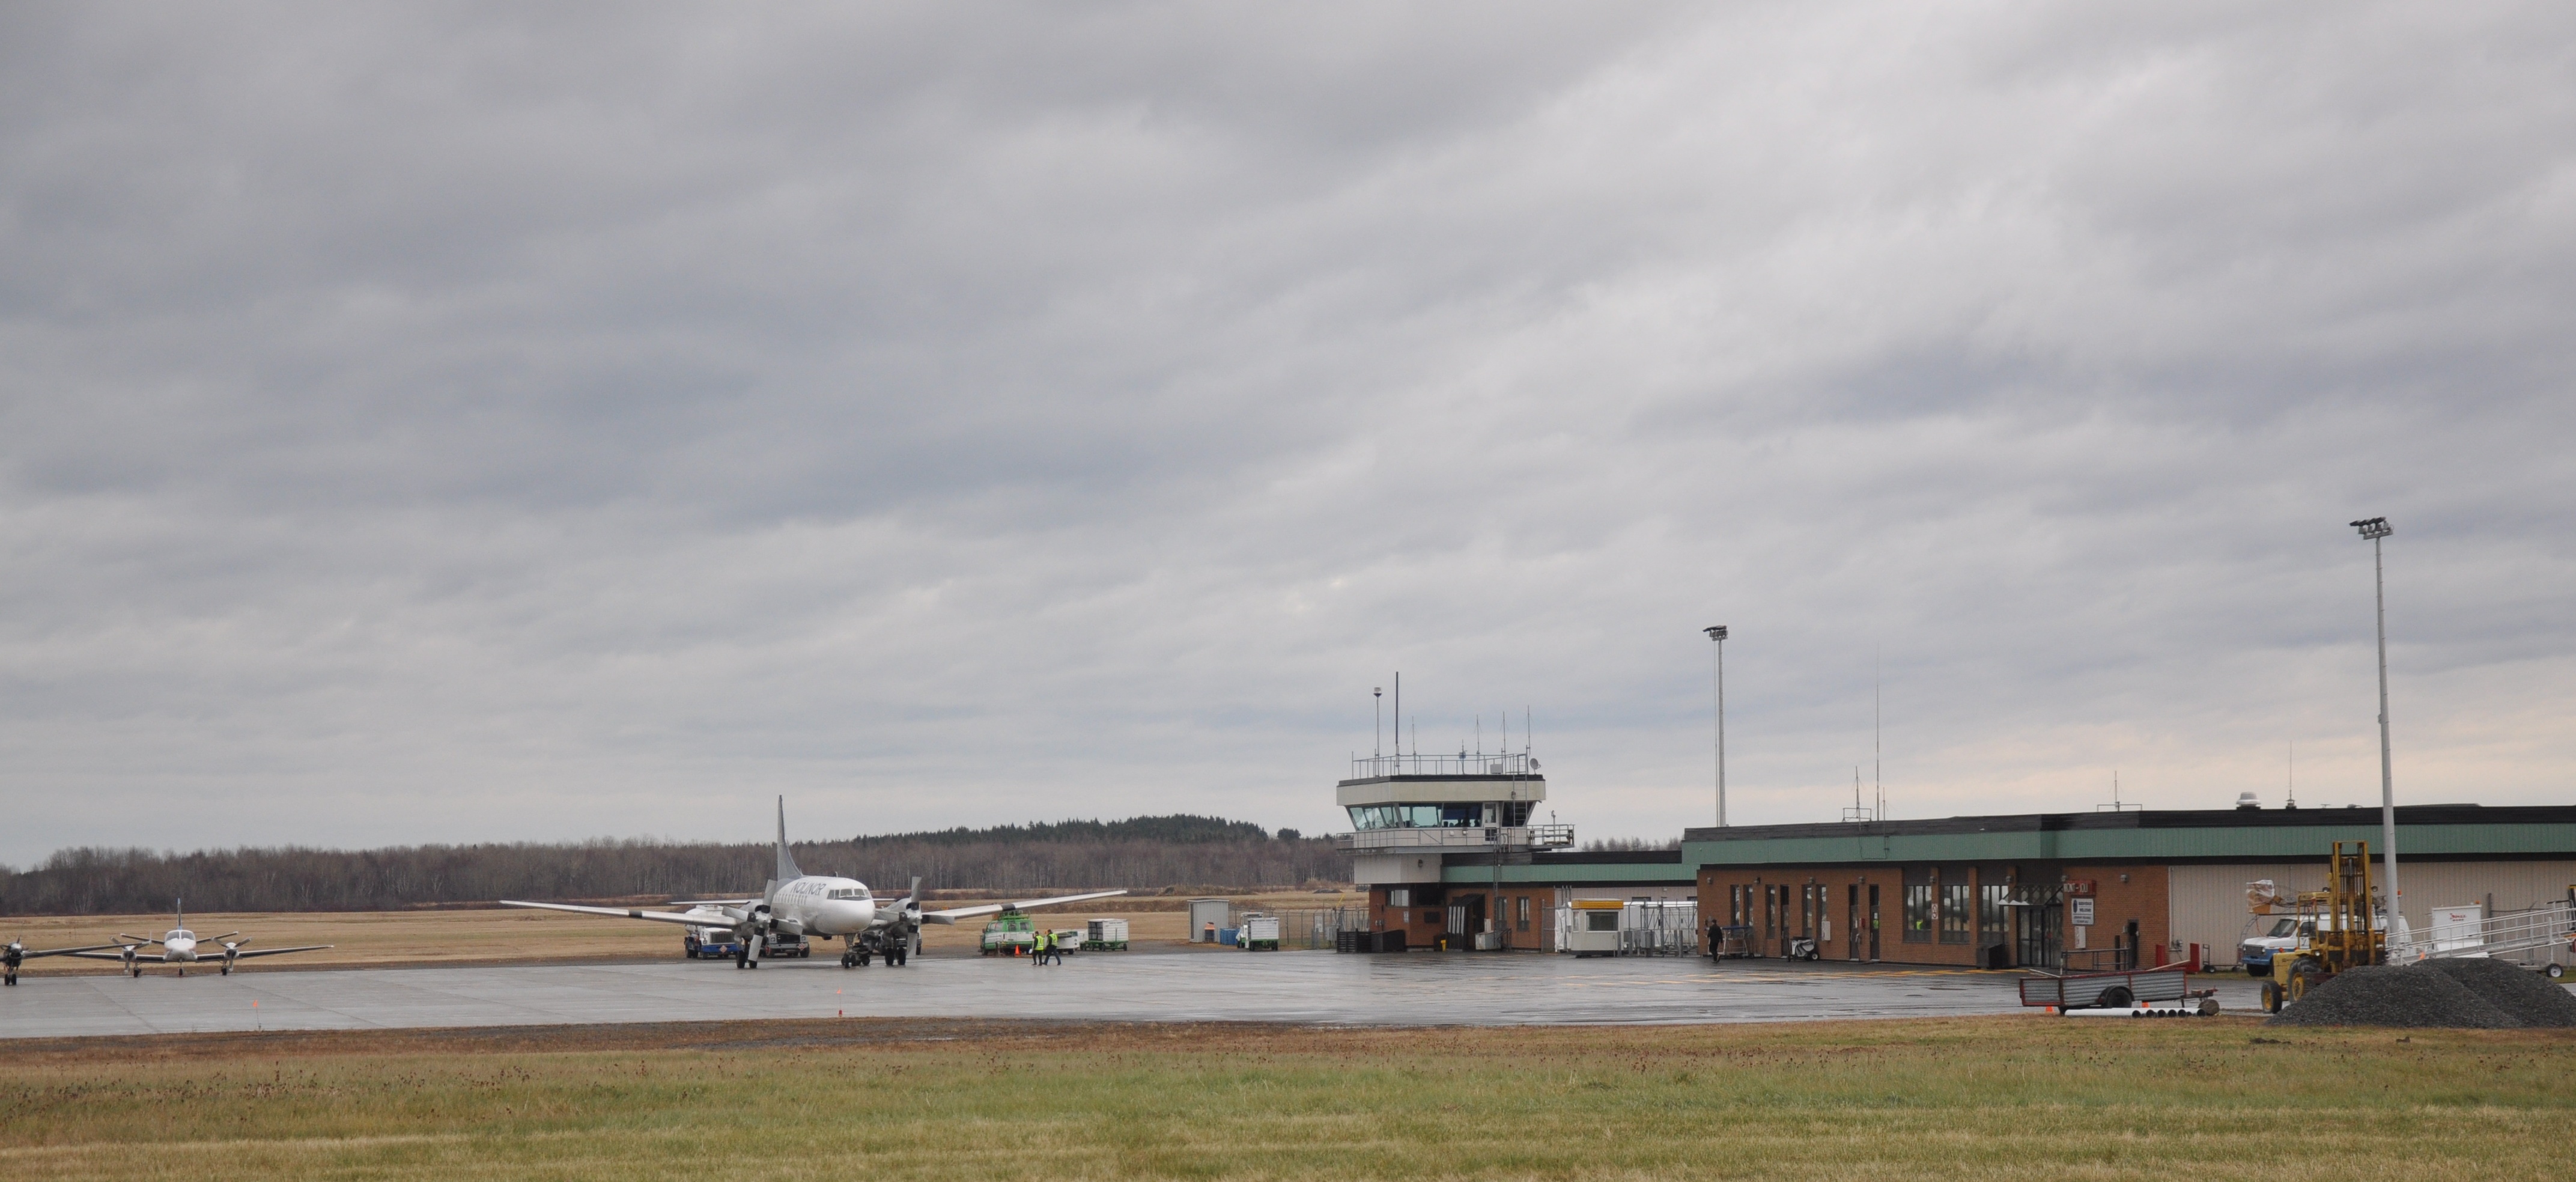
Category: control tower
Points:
column 1408, row 812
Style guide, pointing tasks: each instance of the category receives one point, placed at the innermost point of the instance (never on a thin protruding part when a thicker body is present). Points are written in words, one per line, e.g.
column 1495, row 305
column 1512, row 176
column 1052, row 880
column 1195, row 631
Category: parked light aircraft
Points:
column 797, row 903
column 16, row 953
column 181, row 948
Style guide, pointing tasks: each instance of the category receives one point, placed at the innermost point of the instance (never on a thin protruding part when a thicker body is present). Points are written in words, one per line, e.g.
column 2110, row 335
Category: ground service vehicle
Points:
column 1010, row 934
column 711, row 943
column 1105, row 935
column 1259, row 933
column 787, row 944
column 2338, row 929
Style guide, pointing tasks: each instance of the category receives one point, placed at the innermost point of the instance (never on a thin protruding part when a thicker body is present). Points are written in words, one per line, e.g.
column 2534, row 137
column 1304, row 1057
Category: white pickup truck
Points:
column 2287, row 933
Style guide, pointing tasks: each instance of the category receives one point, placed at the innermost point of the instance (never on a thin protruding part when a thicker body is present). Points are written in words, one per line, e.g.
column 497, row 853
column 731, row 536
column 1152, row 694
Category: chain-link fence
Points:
column 1319, row 927
column 1647, row 927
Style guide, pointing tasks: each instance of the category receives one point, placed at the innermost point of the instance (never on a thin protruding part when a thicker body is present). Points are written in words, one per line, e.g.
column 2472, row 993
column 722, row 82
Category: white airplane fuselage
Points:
column 821, row 905
column 178, row 947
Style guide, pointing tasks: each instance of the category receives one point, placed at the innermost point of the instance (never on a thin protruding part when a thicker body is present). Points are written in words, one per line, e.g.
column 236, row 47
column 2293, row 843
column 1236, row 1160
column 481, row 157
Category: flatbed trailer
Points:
column 2123, row 989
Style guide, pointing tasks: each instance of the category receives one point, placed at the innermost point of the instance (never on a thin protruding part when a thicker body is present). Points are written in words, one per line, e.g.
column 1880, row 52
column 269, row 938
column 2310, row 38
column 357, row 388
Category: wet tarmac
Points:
column 1307, row 987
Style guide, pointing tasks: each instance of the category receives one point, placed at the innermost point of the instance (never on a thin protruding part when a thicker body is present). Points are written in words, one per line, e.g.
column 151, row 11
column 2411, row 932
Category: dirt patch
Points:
column 2401, row 997
column 2532, row 999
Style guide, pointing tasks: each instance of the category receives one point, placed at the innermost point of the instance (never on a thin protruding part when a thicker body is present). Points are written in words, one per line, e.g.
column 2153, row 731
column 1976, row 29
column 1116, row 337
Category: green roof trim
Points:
column 2007, row 841
column 1680, row 873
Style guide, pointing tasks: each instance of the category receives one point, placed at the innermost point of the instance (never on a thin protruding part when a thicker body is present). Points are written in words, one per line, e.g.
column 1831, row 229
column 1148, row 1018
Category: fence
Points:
column 1318, row 928
column 1647, row 927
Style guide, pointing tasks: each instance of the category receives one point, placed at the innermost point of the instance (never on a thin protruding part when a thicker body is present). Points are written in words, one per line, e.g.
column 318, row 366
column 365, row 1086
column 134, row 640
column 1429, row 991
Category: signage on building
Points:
column 2079, row 886
column 2079, row 912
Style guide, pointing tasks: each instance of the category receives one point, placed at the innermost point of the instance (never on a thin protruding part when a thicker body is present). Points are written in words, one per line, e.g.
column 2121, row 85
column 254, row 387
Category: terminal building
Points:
column 1458, row 853
column 2127, row 887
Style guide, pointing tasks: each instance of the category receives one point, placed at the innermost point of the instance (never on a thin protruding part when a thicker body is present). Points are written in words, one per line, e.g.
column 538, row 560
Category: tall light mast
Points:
column 2374, row 529
column 1717, row 667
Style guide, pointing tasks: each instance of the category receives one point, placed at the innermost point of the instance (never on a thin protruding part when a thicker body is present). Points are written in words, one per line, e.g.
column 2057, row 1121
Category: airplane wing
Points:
column 31, row 955
column 154, row 957
column 954, row 914
column 695, row 921
column 247, row 953
column 714, row 903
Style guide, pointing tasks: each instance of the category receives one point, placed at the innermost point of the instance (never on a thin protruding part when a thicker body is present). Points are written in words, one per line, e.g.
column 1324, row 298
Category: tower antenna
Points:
column 1878, row 782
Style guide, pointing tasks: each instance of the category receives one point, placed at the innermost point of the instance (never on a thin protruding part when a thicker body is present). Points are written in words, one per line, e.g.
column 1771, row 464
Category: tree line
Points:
column 1137, row 854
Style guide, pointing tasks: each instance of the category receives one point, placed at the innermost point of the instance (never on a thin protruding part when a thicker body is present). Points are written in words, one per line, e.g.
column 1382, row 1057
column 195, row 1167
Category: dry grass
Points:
column 513, row 935
column 2002, row 1098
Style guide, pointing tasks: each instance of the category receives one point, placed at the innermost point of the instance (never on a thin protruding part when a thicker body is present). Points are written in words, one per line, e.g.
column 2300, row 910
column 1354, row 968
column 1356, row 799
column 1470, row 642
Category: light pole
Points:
column 1717, row 673
column 1377, row 723
column 2374, row 529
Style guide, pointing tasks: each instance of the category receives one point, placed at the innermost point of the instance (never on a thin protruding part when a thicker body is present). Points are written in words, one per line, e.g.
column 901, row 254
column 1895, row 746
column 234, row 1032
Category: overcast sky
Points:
column 439, row 423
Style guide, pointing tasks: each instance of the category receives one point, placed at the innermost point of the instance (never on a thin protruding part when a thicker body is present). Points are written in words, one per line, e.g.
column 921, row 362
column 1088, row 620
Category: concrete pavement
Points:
column 1318, row 987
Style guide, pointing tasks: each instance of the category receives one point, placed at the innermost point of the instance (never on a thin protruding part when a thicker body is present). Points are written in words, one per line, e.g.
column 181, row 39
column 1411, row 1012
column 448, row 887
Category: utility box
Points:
column 1259, row 933
column 1105, row 935
column 1208, row 917
column 1596, row 927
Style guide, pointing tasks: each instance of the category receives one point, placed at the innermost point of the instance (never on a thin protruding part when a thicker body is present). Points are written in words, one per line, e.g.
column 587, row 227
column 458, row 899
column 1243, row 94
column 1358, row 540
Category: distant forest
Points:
column 1141, row 853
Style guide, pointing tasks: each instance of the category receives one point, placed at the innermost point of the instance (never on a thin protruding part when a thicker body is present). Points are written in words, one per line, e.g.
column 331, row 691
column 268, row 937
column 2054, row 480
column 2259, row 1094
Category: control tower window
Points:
column 1417, row 816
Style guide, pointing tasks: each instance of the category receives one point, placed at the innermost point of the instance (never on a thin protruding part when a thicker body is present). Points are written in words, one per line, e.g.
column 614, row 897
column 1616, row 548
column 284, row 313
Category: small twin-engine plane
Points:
column 801, row 904
column 181, row 948
column 16, row 953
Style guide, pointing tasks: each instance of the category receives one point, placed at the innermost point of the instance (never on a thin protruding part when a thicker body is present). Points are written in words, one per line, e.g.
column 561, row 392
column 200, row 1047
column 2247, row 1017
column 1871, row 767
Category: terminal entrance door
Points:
column 2037, row 917
column 1854, row 942
column 1873, row 921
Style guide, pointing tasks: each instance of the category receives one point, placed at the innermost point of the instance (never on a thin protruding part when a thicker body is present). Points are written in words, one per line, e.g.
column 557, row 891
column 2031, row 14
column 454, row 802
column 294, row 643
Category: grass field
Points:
column 514, row 935
column 1991, row 1098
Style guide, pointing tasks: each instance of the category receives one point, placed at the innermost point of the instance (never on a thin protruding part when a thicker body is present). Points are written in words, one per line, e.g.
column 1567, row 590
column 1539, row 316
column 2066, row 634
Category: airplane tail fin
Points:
column 786, row 864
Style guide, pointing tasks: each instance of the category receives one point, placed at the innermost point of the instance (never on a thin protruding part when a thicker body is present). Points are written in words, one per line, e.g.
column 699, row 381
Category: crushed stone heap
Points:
column 2526, row 995
column 2385, row 996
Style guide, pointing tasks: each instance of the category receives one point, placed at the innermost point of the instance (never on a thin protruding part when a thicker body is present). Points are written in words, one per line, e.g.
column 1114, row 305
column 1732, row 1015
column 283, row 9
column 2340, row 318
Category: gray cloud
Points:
column 488, row 424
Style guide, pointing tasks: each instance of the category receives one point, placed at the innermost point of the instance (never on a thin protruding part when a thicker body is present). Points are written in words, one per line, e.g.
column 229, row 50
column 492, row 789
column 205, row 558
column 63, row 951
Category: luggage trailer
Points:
column 2163, row 992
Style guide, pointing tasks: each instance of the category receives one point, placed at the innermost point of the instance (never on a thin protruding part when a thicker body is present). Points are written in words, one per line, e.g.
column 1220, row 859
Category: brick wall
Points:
column 2141, row 899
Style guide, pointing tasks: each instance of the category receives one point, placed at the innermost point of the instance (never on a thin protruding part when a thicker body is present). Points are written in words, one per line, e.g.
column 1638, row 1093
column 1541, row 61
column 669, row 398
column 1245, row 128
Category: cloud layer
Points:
column 489, row 424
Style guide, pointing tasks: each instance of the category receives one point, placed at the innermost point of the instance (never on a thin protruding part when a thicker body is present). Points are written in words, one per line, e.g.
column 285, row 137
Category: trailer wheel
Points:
column 2116, row 997
column 2555, row 971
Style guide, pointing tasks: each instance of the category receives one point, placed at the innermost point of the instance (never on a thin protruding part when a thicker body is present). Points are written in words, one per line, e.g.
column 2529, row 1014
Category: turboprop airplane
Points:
column 15, row 953
column 801, row 904
column 181, row 948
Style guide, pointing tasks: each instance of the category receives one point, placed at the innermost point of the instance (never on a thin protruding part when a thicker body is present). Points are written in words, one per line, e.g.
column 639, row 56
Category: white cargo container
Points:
column 1105, row 935
column 1260, row 933
column 1596, row 927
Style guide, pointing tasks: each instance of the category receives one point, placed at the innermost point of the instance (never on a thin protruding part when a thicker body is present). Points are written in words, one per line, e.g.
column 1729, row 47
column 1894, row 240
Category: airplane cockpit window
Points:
column 183, row 934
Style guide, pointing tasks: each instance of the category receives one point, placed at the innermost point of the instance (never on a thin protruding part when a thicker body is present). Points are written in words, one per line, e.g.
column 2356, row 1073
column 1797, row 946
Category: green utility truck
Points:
column 1010, row 934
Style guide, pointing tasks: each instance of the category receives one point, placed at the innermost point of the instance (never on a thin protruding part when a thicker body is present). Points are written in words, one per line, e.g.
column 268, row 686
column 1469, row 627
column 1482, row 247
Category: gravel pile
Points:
column 2384, row 996
column 2536, row 1000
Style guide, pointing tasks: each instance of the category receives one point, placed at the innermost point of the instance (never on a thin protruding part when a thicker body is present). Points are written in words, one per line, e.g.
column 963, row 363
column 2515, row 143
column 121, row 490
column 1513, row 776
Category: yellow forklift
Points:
column 2340, row 928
